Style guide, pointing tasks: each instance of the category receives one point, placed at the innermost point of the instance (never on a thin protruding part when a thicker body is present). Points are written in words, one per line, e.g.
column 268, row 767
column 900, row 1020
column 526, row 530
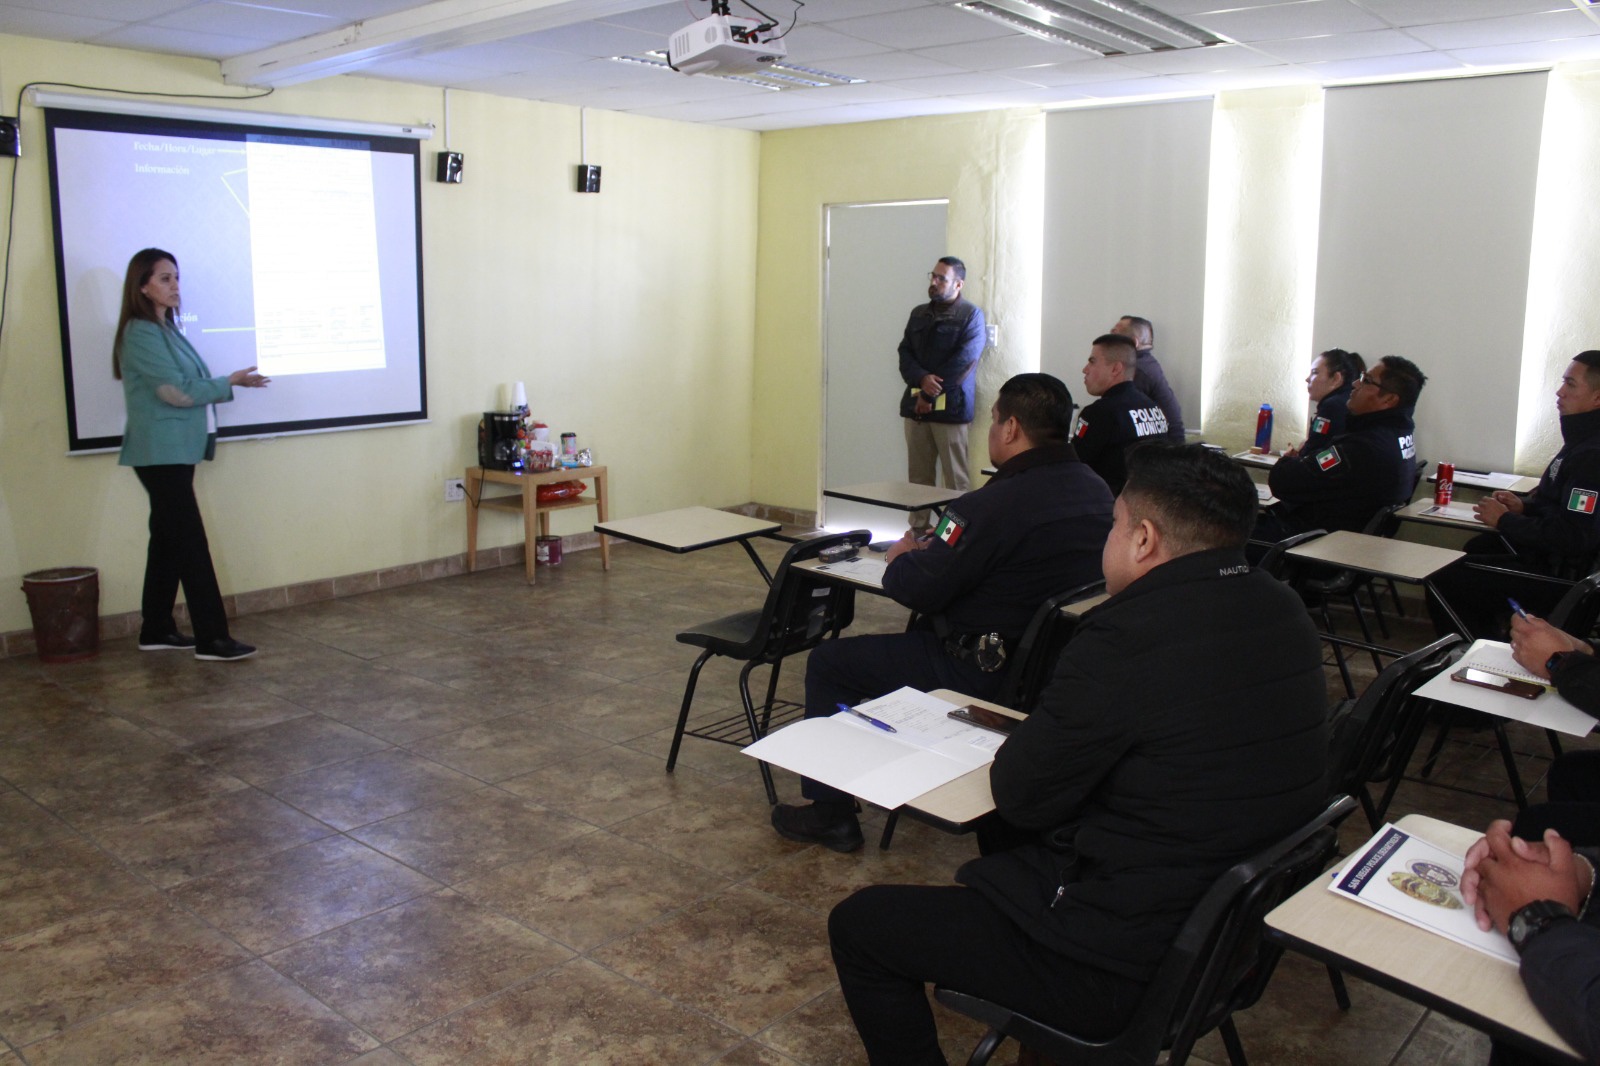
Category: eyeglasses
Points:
column 942, row 279
column 1368, row 379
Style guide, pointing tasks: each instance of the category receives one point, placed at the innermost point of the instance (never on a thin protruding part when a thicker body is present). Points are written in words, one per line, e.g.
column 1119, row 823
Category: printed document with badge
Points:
column 927, row 749
column 1420, row 884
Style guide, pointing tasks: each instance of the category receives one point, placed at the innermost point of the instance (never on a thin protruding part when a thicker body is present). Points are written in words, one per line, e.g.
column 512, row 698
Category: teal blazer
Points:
column 167, row 387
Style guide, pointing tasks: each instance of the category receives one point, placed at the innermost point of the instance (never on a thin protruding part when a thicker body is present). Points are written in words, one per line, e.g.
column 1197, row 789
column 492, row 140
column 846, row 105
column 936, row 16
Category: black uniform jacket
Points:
column 1559, row 527
column 1121, row 416
column 1329, row 420
column 1150, row 379
column 946, row 339
column 1184, row 731
column 1035, row 529
column 1344, row 483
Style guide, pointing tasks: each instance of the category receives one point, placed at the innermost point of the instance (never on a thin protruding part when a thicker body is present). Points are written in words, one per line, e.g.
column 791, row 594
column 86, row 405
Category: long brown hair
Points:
column 135, row 304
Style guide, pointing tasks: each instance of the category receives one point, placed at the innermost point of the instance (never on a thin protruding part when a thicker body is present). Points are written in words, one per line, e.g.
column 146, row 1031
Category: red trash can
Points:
column 65, row 604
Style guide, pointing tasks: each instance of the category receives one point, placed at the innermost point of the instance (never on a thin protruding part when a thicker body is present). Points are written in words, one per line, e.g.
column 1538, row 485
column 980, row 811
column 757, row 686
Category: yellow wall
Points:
column 630, row 316
column 989, row 166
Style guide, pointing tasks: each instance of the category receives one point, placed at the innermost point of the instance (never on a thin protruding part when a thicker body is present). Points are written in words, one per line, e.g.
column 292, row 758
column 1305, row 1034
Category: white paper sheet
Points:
column 866, row 571
column 888, row 769
column 1549, row 711
column 1255, row 459
column 1456, row 512
column 1490, row 480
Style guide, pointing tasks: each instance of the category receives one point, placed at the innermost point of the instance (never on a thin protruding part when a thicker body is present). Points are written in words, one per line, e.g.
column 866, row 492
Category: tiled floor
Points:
column 431, row 825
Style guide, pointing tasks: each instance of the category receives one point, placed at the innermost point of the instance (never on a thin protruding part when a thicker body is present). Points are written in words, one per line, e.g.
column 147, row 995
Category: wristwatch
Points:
column 1552, row 663
column 1534, row 919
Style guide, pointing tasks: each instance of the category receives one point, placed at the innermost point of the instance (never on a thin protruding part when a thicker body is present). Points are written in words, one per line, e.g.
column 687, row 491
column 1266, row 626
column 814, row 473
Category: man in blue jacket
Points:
column 939, row 355
column 1184, row 731
column 1035, row 530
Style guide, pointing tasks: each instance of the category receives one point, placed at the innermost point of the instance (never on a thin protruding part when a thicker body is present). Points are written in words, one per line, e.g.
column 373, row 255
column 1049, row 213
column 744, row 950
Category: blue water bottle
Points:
column 1264, row 429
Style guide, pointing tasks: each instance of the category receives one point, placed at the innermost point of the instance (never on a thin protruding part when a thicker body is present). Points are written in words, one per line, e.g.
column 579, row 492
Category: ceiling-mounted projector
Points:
column 724, row 44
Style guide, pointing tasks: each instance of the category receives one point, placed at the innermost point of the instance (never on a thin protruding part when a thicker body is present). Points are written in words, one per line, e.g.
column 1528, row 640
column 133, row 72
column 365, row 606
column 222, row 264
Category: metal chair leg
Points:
column 755, row 727
column 683, row 712
column 888, row 830
column 1341, row 994
column 1230, row 1040
column 986, row 1048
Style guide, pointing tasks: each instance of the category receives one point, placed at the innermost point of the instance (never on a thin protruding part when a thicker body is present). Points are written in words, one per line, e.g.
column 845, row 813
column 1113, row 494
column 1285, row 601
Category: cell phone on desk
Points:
column 984, row 718
column 1509, row 685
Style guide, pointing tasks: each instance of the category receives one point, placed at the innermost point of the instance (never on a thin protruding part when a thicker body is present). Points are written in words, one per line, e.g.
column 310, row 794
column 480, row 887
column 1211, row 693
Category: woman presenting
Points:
column 171, row 427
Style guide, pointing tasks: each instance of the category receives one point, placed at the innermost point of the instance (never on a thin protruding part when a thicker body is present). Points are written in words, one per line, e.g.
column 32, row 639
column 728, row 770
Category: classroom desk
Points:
column 1419, row 511
column 841, row 574
column 690, row 529
column 1249, row 458
column 1423, row 967
column 955, row 805
column 896, row 495
column 535, row 515
column 1397, row 559
column 1492, row 481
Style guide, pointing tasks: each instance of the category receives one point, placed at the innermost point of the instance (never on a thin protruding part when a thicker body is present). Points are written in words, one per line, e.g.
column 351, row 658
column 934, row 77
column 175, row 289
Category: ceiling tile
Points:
column 595, row 39
column 122, row 11
column 53, row 27
column 344, row 11
column 504, row 57
column 1015, row 50
column 831, row 10
column 1500, row 55
column 1425, row 12
column 959, row 84
column 243, row 20
column 1552, row 26
column 148, row 37
column 814, row 45
column 1090, row 70
column 922, row 28
column 883, row 66
column 1305, row 18
column 1185, row 8
column 1342, row 46
column 1386, row 67
column 1183, row 60
column 1110, row 90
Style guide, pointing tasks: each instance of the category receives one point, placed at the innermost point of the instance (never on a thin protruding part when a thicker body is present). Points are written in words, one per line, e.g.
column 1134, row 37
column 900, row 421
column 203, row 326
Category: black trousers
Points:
column 1479, row 597
column 1574, row 807
column 179, row 554
column 890, row 940
column 853, row 669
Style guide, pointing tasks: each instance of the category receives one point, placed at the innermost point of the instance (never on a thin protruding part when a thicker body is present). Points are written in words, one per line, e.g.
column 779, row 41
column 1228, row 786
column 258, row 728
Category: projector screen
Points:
column 300, row 252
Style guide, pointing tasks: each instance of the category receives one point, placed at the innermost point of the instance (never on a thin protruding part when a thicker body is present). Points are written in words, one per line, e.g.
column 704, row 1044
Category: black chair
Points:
column 1218, row 965
column 1320, row 589
column 800, row 612
column 1373, row 738
column 1033, row 662
column 1579, row 609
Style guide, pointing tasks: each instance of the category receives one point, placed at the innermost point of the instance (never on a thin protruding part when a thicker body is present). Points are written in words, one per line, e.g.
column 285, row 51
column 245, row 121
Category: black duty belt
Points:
column 986, row 651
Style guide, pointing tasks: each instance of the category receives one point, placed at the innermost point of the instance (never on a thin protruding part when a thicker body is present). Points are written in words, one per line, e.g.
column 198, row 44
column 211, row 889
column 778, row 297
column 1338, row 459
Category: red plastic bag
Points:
column 564, row 490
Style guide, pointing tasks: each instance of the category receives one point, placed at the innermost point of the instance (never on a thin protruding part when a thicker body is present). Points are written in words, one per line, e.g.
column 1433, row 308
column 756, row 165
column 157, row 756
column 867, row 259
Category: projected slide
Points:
column 299, row 253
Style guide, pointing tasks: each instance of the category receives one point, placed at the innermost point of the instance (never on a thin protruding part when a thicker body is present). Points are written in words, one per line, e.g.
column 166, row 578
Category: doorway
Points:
column 876, row 262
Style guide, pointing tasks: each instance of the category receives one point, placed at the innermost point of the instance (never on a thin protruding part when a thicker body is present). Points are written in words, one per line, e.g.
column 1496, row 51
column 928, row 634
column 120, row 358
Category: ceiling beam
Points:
column 429, row 27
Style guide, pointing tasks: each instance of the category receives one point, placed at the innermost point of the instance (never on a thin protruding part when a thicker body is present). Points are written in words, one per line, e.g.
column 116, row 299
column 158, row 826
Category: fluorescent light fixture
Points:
column 1135, row 11
column 121, row 106
column 1032, row 28
column 1054, row 12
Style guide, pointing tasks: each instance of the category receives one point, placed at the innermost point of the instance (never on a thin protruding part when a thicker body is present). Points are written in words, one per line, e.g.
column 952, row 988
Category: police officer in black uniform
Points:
column 1332, row 378
column 1122, row 416
column 1035, row 530
column 1554, row 531
column 1368, row 467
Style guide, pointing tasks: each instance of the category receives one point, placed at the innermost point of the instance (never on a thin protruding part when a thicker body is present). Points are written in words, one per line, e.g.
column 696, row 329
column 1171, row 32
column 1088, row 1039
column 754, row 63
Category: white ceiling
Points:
column 915, row 57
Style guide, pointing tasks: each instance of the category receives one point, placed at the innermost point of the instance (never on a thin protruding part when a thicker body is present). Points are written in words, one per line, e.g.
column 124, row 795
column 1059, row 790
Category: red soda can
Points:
column 1444, row 488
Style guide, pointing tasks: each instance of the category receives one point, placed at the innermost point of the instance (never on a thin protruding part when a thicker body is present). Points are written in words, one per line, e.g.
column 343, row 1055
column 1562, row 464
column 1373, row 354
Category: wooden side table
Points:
column 535, row 515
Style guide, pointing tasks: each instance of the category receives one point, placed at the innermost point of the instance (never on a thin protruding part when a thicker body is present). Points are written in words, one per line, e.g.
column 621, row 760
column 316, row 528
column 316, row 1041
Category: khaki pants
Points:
column 928, row 443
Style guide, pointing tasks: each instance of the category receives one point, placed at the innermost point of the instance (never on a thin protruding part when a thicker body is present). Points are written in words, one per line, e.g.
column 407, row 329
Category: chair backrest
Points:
column 1034, row 659
column 1579, row 608
column 1220, row 963
column 1273, row 562
column 1383, row 522
column 1372, row 738
column 801, row 609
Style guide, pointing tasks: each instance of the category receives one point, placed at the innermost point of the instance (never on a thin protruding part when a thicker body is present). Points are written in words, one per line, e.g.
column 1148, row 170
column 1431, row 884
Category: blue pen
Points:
column 885, row 726
column 1515, row 606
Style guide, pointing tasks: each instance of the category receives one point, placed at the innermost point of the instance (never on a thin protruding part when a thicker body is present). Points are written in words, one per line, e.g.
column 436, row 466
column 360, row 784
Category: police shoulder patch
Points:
column 1328, row 458
column 1319, row 425
column 1083, row 427
column 950, row 528
column 1582, row 501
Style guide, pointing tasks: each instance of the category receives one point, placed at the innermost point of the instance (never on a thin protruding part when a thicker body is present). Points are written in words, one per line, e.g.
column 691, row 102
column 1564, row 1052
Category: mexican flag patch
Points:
column 1083, row 427
column 1327, row 460
column 950, row 528
column 1319, row 426
column 1582, row 501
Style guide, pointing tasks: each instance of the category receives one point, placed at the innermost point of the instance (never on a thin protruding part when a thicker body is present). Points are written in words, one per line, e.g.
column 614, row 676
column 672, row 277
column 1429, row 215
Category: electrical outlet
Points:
column 455, row 489
column 993, row 329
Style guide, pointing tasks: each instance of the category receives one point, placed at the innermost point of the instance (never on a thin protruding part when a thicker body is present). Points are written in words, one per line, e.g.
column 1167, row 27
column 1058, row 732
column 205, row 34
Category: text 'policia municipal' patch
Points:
column 1327, row 460
column 1582, row 501
column 950, row 528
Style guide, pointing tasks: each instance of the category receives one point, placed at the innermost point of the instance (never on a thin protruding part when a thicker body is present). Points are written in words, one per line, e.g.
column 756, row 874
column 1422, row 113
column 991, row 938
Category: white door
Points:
column 877, row 262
